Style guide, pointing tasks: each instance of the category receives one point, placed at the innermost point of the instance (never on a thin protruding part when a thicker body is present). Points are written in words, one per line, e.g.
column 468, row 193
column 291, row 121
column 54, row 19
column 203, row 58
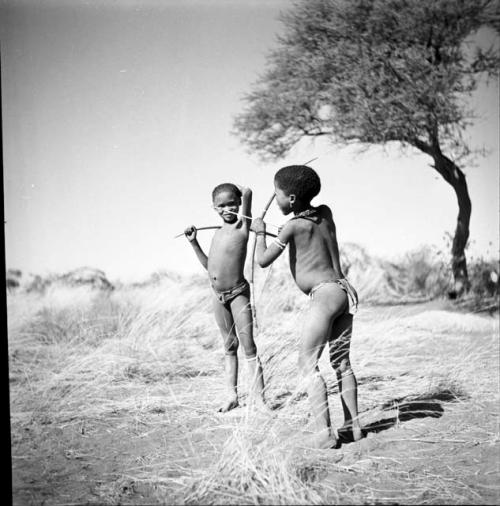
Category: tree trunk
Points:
column 456, row 178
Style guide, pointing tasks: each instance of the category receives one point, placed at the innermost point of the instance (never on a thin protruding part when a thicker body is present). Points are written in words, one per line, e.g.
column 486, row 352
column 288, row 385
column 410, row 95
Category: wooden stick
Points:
column 201, row 228
column 218, row 226
column 249, row 218
column 312, row 160
column 252, row 267
column 267, row 233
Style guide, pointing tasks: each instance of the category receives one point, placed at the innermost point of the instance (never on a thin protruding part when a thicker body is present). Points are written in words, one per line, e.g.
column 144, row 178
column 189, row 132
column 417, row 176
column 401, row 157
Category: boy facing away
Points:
column 315, row 267
column 230, row 289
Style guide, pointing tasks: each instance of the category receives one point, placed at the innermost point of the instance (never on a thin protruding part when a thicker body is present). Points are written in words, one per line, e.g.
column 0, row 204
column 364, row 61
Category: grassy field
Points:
column 113, row 397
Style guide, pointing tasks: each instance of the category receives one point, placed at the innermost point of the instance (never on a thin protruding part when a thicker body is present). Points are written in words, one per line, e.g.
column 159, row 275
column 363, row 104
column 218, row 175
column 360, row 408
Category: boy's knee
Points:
column 250, row 351
column 248, row 344
column 231, row 345
column 253, row 361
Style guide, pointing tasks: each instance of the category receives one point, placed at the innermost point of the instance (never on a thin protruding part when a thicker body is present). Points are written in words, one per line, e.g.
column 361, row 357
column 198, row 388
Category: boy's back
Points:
column 314, row 256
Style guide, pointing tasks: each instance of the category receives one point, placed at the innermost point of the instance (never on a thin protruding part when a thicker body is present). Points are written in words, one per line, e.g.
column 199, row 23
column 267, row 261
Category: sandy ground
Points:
column 428, row 400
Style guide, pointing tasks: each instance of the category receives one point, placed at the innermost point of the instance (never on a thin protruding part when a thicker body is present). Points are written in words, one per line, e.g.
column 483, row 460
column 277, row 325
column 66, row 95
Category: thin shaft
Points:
column 248, row 217
column 217, row 226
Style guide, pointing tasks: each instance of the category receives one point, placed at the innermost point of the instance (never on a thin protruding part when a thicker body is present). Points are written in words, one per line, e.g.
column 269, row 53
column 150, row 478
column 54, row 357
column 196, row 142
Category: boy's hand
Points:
column 190, row 233
column 258, row 225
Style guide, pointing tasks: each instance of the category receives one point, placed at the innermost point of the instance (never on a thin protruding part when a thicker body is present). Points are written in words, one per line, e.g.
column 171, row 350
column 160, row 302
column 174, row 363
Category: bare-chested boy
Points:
column 315, row 266
column 230, row 289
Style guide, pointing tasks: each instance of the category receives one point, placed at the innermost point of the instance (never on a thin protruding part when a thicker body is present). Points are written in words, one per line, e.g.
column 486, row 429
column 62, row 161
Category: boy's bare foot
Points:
column 258, row 404
column 323, row 440
column 229, row 405
column 355, row 431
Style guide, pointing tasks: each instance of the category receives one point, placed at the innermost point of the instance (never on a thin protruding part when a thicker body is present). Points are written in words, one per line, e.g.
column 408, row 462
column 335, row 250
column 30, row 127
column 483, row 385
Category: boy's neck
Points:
column 300, row 208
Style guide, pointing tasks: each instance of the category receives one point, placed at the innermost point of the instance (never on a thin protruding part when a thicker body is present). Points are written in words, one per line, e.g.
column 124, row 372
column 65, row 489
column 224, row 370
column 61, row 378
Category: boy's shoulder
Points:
column 324, row 212
column 315, row 214
column 289, row 228
column 296, row 224
column 324, row 209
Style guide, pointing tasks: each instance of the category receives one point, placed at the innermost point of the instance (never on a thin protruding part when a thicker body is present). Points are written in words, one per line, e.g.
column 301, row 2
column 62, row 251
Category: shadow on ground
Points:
column 404, row 409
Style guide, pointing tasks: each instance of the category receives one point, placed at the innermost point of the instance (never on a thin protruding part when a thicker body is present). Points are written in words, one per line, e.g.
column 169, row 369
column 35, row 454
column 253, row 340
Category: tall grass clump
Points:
column 256, row 467
column 485, row 284
column 422, row 274
column 78, row 344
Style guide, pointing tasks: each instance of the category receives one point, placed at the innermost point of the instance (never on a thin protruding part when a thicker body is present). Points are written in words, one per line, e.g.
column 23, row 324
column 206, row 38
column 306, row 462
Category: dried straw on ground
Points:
column 114, row 396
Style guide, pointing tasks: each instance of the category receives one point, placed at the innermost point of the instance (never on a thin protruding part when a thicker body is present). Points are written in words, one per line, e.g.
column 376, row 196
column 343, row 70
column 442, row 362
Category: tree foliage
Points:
column 377, row 71
column 370, row 71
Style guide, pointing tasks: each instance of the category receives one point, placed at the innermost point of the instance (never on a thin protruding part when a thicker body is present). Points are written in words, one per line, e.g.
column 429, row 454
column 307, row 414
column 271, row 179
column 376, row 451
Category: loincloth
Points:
column 352, row 296
column 226, row 296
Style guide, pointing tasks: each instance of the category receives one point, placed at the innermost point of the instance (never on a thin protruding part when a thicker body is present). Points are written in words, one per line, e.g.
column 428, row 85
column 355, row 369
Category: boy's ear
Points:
column 292, row 198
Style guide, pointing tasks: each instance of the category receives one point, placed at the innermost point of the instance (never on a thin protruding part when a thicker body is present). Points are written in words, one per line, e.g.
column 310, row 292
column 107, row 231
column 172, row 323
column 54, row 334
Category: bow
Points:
column 252, row 266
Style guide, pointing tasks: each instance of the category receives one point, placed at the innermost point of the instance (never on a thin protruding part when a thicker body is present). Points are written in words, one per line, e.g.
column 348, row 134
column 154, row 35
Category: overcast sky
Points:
column 116, row 128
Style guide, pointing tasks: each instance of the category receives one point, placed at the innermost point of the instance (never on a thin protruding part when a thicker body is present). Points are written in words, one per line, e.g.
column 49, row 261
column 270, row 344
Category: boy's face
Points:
column 282, row 199
column 226, row 201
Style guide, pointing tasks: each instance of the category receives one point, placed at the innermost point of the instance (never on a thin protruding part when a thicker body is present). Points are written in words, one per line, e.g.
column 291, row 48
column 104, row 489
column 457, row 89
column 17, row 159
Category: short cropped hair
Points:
column 300, row 180
column 226, row 187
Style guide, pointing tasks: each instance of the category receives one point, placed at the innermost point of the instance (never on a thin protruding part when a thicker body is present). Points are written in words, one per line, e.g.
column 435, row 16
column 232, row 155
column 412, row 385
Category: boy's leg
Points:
column 325, row 305
column 225, row 323
column 340, row 343
column 242, row 316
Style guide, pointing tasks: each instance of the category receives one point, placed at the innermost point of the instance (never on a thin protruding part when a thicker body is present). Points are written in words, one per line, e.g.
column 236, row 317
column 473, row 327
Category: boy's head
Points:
column 226, row 197
column 295, row 182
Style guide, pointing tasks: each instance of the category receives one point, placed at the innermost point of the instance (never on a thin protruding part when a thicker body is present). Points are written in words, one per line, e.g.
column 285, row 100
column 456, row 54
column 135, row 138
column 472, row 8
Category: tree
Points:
column 374, row 72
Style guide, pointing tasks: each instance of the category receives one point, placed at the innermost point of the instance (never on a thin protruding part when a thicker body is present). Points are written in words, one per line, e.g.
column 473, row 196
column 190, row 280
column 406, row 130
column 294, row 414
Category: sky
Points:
column 117, row 119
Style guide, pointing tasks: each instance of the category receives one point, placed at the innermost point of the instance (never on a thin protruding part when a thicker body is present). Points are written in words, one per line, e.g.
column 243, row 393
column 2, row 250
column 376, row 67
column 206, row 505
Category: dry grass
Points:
column 113, row 399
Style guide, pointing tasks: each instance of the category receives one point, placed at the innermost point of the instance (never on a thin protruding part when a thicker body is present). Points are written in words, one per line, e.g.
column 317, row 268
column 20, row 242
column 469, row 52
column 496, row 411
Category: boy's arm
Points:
column 267, row 255
column 246, row 204
column 335, row 251
column 332, row 243
column 190, row 234
column 335, row 255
